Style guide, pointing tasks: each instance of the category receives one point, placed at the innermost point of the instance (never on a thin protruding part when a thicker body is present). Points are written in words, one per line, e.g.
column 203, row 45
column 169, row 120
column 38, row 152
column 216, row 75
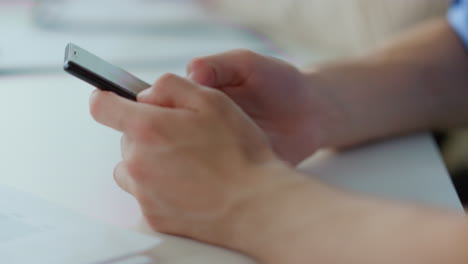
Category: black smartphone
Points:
column 101, row 74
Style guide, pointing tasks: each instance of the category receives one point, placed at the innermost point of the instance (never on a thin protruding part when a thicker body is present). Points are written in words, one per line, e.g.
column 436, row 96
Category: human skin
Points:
column 206, row 157
column 417, row 82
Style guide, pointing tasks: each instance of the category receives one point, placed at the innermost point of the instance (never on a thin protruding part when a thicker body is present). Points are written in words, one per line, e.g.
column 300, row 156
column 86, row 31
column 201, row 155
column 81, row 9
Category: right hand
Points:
column 275, row 94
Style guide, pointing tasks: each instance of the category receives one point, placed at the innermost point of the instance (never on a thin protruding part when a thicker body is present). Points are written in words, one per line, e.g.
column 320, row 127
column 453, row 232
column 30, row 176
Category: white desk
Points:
column 51, row 147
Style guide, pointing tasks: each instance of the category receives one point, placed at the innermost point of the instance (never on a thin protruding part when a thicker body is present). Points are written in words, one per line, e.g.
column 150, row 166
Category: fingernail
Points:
column 190, row 76
column 189, row 70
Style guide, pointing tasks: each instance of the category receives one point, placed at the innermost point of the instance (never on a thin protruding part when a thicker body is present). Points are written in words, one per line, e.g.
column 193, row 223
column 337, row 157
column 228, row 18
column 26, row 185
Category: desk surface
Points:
column 52, row 148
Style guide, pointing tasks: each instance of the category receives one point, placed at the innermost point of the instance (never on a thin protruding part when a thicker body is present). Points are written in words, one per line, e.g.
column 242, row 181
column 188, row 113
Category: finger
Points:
column 125, row 146
column 112, row 110
column 122, row 177
column 124, row 115
column 226, row 69
column 173, row 91
column 137, row 152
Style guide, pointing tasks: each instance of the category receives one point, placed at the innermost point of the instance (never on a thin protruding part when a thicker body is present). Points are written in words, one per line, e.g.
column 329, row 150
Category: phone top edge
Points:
column 68, row 55
column 68, row 52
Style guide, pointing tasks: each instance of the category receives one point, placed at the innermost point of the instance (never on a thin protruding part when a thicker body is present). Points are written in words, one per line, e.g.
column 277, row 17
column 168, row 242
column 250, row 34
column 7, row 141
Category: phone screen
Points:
column 100, row 73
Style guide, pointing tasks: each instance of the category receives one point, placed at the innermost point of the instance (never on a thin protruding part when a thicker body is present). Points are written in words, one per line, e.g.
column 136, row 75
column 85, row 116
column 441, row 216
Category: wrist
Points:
column 331, row 123
column 261, row 224
column 366, row 101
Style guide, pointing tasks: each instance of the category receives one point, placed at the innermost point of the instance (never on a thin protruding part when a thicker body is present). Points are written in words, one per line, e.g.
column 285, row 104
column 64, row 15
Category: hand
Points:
column 191, row 157
column 200, row 168
column 276, row 95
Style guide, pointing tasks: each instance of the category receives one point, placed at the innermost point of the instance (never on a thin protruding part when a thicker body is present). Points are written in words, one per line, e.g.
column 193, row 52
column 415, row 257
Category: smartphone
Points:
column 101, row 74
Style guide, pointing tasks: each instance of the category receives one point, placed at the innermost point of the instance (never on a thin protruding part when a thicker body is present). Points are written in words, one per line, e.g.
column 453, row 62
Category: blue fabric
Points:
column 458, row 18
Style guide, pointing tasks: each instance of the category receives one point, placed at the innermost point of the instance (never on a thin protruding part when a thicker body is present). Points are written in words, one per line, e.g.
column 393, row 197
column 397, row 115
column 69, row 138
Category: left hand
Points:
column 191, row 157
column 298, row 114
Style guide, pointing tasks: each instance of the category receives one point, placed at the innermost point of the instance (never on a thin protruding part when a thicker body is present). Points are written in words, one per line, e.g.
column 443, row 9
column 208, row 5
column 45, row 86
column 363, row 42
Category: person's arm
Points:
column 200, row 168
column 417, row 82
column 311, row 223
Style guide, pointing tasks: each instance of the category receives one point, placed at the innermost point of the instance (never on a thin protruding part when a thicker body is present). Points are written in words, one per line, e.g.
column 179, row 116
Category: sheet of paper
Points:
column 35, row 231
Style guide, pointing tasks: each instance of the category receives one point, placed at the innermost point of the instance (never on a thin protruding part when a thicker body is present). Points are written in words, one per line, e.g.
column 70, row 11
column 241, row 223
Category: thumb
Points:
column 227, row 69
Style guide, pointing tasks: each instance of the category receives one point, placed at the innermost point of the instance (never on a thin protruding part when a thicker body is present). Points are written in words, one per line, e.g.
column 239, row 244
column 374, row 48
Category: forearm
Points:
column 419, row 82
column 312, row 223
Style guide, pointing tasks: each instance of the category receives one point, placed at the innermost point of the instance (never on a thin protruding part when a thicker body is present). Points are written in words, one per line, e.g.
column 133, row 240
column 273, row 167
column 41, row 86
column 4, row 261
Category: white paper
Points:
column 35, row 231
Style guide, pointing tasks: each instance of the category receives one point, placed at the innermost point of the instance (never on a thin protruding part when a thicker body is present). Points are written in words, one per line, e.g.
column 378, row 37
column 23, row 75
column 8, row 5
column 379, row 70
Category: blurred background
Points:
column 150, row 35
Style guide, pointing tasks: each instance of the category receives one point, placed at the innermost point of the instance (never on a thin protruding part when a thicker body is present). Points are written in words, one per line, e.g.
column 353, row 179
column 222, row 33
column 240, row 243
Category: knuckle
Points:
column 213, row 99
column 120, row 177
column 135, row 169
column 118, row 172
column 245, row 54
column 143, row 199
column 196, row 61
column 143, row 129
column 158, row 88
column 210, row 96
column 161, row 224
column 166, row 79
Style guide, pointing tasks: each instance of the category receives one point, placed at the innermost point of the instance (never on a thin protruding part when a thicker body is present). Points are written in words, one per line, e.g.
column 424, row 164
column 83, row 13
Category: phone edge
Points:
column 95, row 80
